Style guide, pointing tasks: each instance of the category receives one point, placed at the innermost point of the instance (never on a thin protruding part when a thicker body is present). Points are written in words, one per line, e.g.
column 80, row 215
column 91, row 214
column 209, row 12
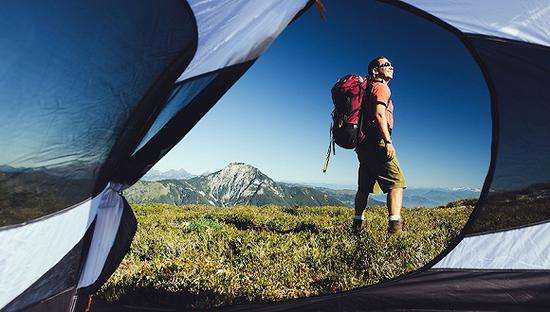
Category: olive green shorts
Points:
column 375, row 171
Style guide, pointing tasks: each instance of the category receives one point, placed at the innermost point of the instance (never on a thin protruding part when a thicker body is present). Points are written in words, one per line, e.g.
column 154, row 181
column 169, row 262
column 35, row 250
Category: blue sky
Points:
column 277, row 116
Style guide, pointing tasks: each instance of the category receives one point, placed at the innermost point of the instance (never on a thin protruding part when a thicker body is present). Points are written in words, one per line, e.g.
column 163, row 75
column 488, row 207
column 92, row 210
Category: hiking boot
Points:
column 357, row 226
column 395, row 226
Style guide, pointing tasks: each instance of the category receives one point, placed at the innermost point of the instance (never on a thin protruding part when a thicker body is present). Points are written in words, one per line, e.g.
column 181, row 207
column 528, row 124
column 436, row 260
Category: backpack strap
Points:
column 361, row 113
column 364, row 103
column 330, row 146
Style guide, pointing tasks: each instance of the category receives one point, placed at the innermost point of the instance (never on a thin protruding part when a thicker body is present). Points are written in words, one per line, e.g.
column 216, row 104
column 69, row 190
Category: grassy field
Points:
column 202, row 257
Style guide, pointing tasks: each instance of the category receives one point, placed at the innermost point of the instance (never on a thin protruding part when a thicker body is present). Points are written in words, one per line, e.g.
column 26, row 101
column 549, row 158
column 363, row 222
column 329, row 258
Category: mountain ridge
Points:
column 236, row 184
column 241, row 183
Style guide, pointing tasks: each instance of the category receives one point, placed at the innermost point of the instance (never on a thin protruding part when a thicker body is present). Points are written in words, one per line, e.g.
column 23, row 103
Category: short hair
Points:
column 374, row 63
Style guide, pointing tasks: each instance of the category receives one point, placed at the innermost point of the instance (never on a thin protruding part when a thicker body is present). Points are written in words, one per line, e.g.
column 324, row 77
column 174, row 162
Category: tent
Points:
column 94, row 93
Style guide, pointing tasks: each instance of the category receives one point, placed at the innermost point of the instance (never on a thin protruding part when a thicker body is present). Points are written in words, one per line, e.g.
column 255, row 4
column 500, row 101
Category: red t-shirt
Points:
column 381, row 94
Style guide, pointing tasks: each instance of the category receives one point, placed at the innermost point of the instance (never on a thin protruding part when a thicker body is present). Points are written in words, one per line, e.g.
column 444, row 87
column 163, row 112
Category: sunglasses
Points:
column 387, row 64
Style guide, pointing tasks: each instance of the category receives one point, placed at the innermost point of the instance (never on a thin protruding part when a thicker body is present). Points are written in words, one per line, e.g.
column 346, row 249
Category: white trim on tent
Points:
column 28, row 252
column 106, row 227
column 235, row 31
column 521, row 20
column 526, row 248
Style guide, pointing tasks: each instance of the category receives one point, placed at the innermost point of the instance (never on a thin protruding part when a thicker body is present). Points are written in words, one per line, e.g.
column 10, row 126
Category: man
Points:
column 378, row 165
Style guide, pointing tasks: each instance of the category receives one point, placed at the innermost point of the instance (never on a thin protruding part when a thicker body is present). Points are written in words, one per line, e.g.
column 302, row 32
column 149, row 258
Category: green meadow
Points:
column 200, row 257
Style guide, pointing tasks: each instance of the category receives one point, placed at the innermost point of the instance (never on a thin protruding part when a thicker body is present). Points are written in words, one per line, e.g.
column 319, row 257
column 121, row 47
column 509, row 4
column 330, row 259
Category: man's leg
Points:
column 394, row 203
column 361, row 199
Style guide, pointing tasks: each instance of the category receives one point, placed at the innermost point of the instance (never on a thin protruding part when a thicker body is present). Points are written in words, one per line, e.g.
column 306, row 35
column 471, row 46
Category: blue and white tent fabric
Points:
column 94, row 93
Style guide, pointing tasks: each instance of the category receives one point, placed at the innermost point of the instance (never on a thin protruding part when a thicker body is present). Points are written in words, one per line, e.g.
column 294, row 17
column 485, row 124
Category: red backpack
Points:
column 347, row 96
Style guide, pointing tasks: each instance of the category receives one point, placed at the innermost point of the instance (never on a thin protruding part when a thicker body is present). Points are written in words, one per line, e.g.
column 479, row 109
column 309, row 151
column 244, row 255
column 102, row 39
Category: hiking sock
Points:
column 361, row 218
column 394, row 218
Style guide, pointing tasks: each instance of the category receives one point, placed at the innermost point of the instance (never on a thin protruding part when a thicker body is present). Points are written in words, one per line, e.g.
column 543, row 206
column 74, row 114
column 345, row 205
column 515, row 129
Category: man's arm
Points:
column 382, row 125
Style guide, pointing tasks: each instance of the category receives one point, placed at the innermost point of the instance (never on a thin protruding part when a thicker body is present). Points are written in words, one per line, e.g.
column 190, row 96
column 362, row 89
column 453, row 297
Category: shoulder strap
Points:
column 364, row 103
column 330, row 146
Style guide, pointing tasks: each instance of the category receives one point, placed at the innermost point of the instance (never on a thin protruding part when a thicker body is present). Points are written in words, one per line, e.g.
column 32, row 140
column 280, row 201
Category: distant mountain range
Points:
column 433, row 197
column 157, row 175
column 236, row 184
column 240, row 183
column 412, row 197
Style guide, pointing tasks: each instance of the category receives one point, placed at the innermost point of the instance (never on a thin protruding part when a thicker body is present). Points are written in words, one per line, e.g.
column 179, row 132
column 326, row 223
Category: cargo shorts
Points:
column 376, row 172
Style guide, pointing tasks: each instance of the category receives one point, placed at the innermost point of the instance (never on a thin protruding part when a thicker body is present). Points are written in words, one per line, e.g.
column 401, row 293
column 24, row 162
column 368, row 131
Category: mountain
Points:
column 412, row 197
column 8, row 169
column 347, row 196
column 239, row 183
column 433, row 197
column 331, row 186
column 157, row 175
column 236, row 184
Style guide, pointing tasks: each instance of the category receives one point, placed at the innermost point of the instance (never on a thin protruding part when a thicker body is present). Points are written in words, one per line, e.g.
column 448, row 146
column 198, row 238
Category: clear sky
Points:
column 277, row 116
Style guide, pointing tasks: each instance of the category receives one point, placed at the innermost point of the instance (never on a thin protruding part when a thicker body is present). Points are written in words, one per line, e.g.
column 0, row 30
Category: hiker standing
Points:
column 378, row 165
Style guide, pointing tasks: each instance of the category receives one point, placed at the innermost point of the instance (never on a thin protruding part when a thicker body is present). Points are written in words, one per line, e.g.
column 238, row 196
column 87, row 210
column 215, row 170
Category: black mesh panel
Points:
column 520, row 189
column 180, row 96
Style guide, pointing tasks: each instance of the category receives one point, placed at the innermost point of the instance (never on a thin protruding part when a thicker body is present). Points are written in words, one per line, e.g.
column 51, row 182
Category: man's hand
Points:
column 390, row 151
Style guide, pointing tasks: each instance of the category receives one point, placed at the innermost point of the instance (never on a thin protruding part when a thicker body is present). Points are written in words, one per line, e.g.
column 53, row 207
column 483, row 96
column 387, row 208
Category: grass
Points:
column 199, row 257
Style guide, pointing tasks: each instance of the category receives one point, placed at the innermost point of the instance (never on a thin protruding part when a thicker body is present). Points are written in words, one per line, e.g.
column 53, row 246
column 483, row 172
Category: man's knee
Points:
column 395, row 191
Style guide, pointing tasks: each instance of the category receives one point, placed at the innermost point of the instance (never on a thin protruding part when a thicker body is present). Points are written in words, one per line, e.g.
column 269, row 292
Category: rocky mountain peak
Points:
column 241, row 165
column 236, row 175
column 237, row 183
column 238, row 167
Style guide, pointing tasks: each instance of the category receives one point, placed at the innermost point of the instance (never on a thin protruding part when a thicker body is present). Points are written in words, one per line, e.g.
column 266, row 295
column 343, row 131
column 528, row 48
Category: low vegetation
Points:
column 201, row 257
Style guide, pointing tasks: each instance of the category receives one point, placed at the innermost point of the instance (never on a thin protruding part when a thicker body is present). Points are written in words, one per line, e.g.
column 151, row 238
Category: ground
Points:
column 203, row 257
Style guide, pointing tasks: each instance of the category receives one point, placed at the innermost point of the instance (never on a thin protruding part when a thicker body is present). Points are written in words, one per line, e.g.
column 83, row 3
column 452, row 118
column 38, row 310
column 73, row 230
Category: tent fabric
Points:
column 120, row 247
column 105, row 210
column 27, row 252
column 109, row 215
column 527, row 21
column 31, row 250
column 181, row 95
column 433, row 290
column 73, row 75
column 519, row 192
column 236, row 31
column 61, row 278
column 525, row 248
column 60, row 302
